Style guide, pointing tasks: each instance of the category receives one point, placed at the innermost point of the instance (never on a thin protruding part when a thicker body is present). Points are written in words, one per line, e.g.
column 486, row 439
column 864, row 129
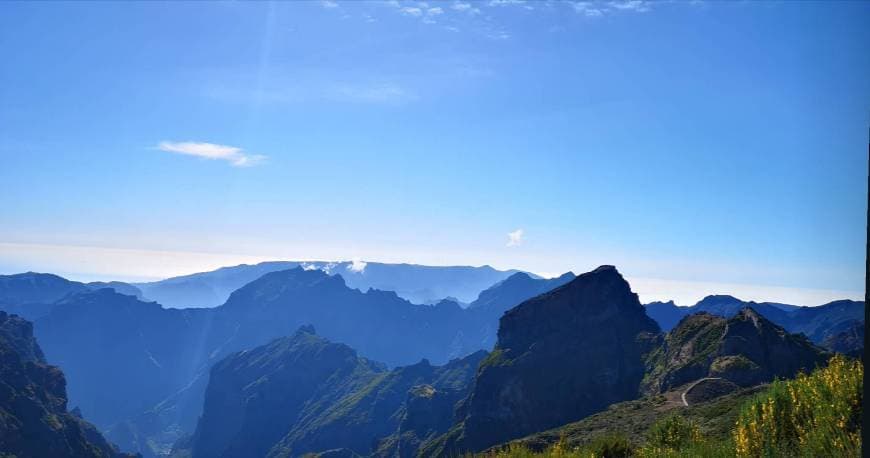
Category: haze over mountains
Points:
column 416, row 283
column 397, row 377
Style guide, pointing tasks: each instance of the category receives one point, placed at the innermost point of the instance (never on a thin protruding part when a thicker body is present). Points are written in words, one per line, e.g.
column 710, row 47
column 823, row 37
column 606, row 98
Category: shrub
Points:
column 812, row 415
column 674, row 432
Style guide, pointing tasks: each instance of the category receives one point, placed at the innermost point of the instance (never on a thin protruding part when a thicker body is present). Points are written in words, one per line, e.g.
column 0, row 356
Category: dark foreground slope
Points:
column 34, row 421
column 304, row 394
column 560, row 357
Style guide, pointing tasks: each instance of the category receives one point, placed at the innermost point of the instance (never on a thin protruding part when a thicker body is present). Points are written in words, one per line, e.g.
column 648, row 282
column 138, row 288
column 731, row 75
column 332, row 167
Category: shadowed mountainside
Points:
column 139, row 370
column 250, row 412
column 560, row 356
column 34, row 420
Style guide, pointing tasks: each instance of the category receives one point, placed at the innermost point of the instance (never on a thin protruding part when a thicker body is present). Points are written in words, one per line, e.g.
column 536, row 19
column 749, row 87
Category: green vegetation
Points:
column 812, row 415
column 494, row 359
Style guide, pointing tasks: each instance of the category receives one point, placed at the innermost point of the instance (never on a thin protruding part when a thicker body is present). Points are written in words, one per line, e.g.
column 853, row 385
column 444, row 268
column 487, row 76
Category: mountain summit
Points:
column 560, row 356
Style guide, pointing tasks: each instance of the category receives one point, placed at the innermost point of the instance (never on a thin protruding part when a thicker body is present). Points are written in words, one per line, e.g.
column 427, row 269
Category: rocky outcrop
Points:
column 34, row 421
column 560, row 356
column 746, row 350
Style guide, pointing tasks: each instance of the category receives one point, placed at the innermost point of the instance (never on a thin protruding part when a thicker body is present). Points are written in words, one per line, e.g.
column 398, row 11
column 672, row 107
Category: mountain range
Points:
column 416, row 283
column 819, row 323
column 139, row 370
column 398, row 378
column 560, row 357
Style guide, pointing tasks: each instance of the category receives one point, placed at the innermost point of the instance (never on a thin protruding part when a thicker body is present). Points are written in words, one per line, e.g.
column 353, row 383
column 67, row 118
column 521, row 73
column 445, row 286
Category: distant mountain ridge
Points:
column 819, row 323
column 417, row 283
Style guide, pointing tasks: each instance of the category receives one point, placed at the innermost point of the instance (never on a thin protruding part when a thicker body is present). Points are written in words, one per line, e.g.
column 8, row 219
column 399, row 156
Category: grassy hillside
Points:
column 813, row 415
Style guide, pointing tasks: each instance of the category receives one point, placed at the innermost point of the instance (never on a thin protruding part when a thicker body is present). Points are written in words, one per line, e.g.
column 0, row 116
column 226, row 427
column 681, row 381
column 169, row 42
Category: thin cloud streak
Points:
column 232, row 154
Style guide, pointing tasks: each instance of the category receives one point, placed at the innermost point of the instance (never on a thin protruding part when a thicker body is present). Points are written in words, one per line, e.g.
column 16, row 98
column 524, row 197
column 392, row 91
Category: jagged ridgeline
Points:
column 139, row 370
column 34, row 421
column 572, row 358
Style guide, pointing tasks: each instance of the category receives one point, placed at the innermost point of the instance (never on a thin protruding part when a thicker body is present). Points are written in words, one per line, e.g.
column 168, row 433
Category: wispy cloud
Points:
column 600, row 8
column 357, row 266
column 465, row 7
column 640, row 6
column 328, row 4
column 386, row 93
column 411, row 11
column 232, row 154
column 375, row 89
column 515, row 238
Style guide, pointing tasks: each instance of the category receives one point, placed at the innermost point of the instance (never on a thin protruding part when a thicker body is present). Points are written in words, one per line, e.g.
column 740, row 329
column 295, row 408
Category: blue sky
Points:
column 703, row 146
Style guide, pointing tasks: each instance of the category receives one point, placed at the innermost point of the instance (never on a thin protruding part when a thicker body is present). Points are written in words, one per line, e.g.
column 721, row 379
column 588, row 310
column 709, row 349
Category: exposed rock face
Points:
column 746, row 350
column 303, row 394
column 255, row 397
column 429, row 405
column 560, row 356
column 34, row 421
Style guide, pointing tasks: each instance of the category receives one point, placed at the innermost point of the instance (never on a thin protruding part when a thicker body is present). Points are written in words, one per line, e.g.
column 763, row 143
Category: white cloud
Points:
column 515, row 238
column 464, row 7
column 596, row 9
column 640, row 6
column 588, row 9
column 329, row 4
column 434, row 11
column 411, row 11
column 232, row 154
column 357, row 266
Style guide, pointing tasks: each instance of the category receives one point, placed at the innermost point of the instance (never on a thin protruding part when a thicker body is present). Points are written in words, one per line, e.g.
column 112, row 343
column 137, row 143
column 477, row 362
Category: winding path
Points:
column 689, row 388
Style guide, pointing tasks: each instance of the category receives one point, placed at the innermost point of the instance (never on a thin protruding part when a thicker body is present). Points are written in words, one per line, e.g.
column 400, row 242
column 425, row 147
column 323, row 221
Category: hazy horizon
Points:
column 701, row 147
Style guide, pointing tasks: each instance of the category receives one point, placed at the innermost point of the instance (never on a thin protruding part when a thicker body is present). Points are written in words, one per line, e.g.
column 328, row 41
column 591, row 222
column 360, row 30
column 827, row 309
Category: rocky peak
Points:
column 16, row 334
column 746, row 349
column 589, row 336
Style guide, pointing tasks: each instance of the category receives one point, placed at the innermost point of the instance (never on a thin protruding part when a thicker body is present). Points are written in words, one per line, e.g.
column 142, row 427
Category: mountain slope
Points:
column 33, row 407
column 818, row 323
column 337, row 399
column 746, row 350
column 121, row 355
column 560, row 356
